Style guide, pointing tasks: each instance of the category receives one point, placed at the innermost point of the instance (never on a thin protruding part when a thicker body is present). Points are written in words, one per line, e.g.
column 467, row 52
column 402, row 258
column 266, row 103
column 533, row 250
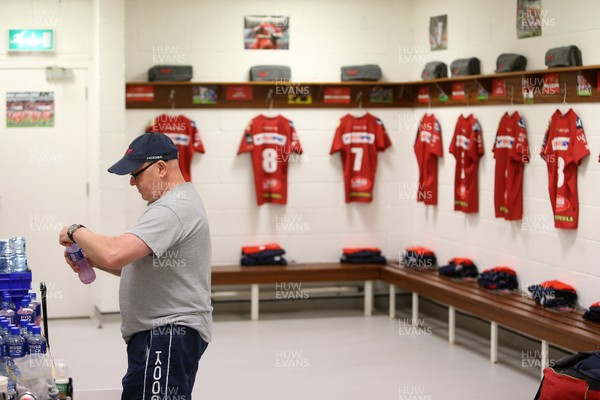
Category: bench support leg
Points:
column 451, row 325
column 254, row 302
column 368, row 298
column 494, row 342
column 545, row 356
column 415, row 308
column 392, row 301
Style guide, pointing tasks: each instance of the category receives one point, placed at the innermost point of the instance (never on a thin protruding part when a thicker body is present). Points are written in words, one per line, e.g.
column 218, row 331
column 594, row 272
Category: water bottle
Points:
column 4, row 246
column 4, row 327
column 86, row 273
column 15, row 343
column 17, row 246
column 25, row 313
column 37, row 343
column 7, row 260
column 7, row 298
column 37, row 308
column 8, row 313
column 25, row 335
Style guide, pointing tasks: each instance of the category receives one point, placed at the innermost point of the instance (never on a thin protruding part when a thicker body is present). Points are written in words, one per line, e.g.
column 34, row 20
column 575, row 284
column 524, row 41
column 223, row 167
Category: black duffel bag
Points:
column 270, row 73
column 509, row 62
column 170, row 73
column 567, row 56
column 435, row 70
column 465, row 66
column 368, row 72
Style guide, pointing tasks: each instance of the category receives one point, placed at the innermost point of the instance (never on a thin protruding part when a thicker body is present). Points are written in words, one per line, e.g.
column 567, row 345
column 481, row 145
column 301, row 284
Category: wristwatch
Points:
column 71, row 230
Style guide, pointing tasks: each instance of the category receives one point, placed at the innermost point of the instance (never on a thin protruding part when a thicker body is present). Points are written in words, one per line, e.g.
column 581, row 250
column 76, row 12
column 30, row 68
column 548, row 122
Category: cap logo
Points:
column 129, row 151
column 154, row 157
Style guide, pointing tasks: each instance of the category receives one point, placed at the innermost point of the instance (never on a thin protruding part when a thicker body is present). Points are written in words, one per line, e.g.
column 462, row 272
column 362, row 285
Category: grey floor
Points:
column 331, row 354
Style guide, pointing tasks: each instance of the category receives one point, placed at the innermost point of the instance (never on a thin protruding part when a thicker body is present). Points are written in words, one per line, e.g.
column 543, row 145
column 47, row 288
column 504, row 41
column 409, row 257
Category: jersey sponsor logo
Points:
column 360, row 183
column 562, row 203
column 271, row 184
column 560, row 143
column 425, row 136
column 358, row 137
column 462, row 141
column 179, row 139
column 269, row 138
column 504, row 142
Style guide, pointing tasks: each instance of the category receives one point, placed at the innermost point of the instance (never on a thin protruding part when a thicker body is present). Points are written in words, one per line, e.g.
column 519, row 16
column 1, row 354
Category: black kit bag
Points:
column 435, row 70
column 465, row 66
column 572, row 377
column 170, row 73
column 270, row 73
column 567, row 56
column 509, row 62
column 368, row 72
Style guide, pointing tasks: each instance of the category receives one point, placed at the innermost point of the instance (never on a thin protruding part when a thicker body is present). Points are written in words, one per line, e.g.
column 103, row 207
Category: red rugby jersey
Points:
column 428, row 147
column 467, row 148
column 184, row 134
column 511, row 151
column 358, row 140
column 563, row 149
column 271, row 140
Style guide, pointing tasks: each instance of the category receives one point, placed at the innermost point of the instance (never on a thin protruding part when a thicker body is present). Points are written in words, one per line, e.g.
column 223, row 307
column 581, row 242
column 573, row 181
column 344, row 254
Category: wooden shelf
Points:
column 177, row 95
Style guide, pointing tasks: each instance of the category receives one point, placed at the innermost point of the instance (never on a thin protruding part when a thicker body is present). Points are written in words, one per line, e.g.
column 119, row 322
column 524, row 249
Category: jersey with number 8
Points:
column 563, row 149
column 271, row 142
column 359, row 140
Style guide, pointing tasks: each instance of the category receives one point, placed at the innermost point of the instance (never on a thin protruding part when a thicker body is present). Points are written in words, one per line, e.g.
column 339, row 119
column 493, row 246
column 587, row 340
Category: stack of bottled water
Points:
column 12, row 255
column 20, row 340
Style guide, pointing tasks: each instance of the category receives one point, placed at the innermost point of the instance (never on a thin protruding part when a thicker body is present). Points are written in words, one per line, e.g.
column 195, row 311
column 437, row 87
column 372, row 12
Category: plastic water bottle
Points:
column 17, row 246
column 37, row 343
column 7, row 260
column 7, row 298
column 25, row 335
column 37, row 308
column 4, row 328
column 8, row 313
column 4, row 247
column 25, row 313
column 15, row 343
column 87, row 274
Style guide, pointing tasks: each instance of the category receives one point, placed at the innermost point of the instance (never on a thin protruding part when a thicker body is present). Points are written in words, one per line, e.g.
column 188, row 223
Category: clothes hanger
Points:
column 270, row 113
column 359, row 113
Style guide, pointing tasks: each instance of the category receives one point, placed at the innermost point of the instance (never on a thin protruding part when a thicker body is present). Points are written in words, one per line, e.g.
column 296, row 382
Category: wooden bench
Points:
column 515, row 311
column 317, row 272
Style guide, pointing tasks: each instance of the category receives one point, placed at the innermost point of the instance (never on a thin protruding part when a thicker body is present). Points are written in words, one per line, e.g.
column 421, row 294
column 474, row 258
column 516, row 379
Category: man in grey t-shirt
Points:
column 164, row 262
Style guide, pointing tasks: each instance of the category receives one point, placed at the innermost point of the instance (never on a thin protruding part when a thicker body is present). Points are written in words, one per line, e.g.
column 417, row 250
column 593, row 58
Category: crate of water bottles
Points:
column 15, row 276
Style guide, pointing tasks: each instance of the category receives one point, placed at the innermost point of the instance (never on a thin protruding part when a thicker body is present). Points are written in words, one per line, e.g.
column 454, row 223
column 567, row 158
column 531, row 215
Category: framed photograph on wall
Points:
column 266, row 32
column 529, row 22
column 438, row 32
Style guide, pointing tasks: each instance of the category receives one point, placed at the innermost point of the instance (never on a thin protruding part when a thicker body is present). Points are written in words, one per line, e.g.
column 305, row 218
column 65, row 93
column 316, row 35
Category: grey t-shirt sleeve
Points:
column 160, row 228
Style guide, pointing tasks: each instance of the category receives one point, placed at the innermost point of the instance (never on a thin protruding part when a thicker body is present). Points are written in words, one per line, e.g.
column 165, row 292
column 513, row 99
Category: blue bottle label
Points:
column 38, row 348
column 77, row 256
column 16, row 350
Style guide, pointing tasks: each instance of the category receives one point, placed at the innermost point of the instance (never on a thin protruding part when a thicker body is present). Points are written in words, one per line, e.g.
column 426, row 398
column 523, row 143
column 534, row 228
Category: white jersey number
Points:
column 561, row 172
column 358, row 151
column 269, row 160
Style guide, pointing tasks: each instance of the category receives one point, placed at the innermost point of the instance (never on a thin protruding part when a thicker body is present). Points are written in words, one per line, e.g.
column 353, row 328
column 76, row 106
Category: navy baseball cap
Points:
column 150, row 146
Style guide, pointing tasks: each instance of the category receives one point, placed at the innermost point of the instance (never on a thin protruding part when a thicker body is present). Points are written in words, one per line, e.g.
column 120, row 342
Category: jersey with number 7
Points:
column 563, row 149
column 271, row 140
column 359, row 140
